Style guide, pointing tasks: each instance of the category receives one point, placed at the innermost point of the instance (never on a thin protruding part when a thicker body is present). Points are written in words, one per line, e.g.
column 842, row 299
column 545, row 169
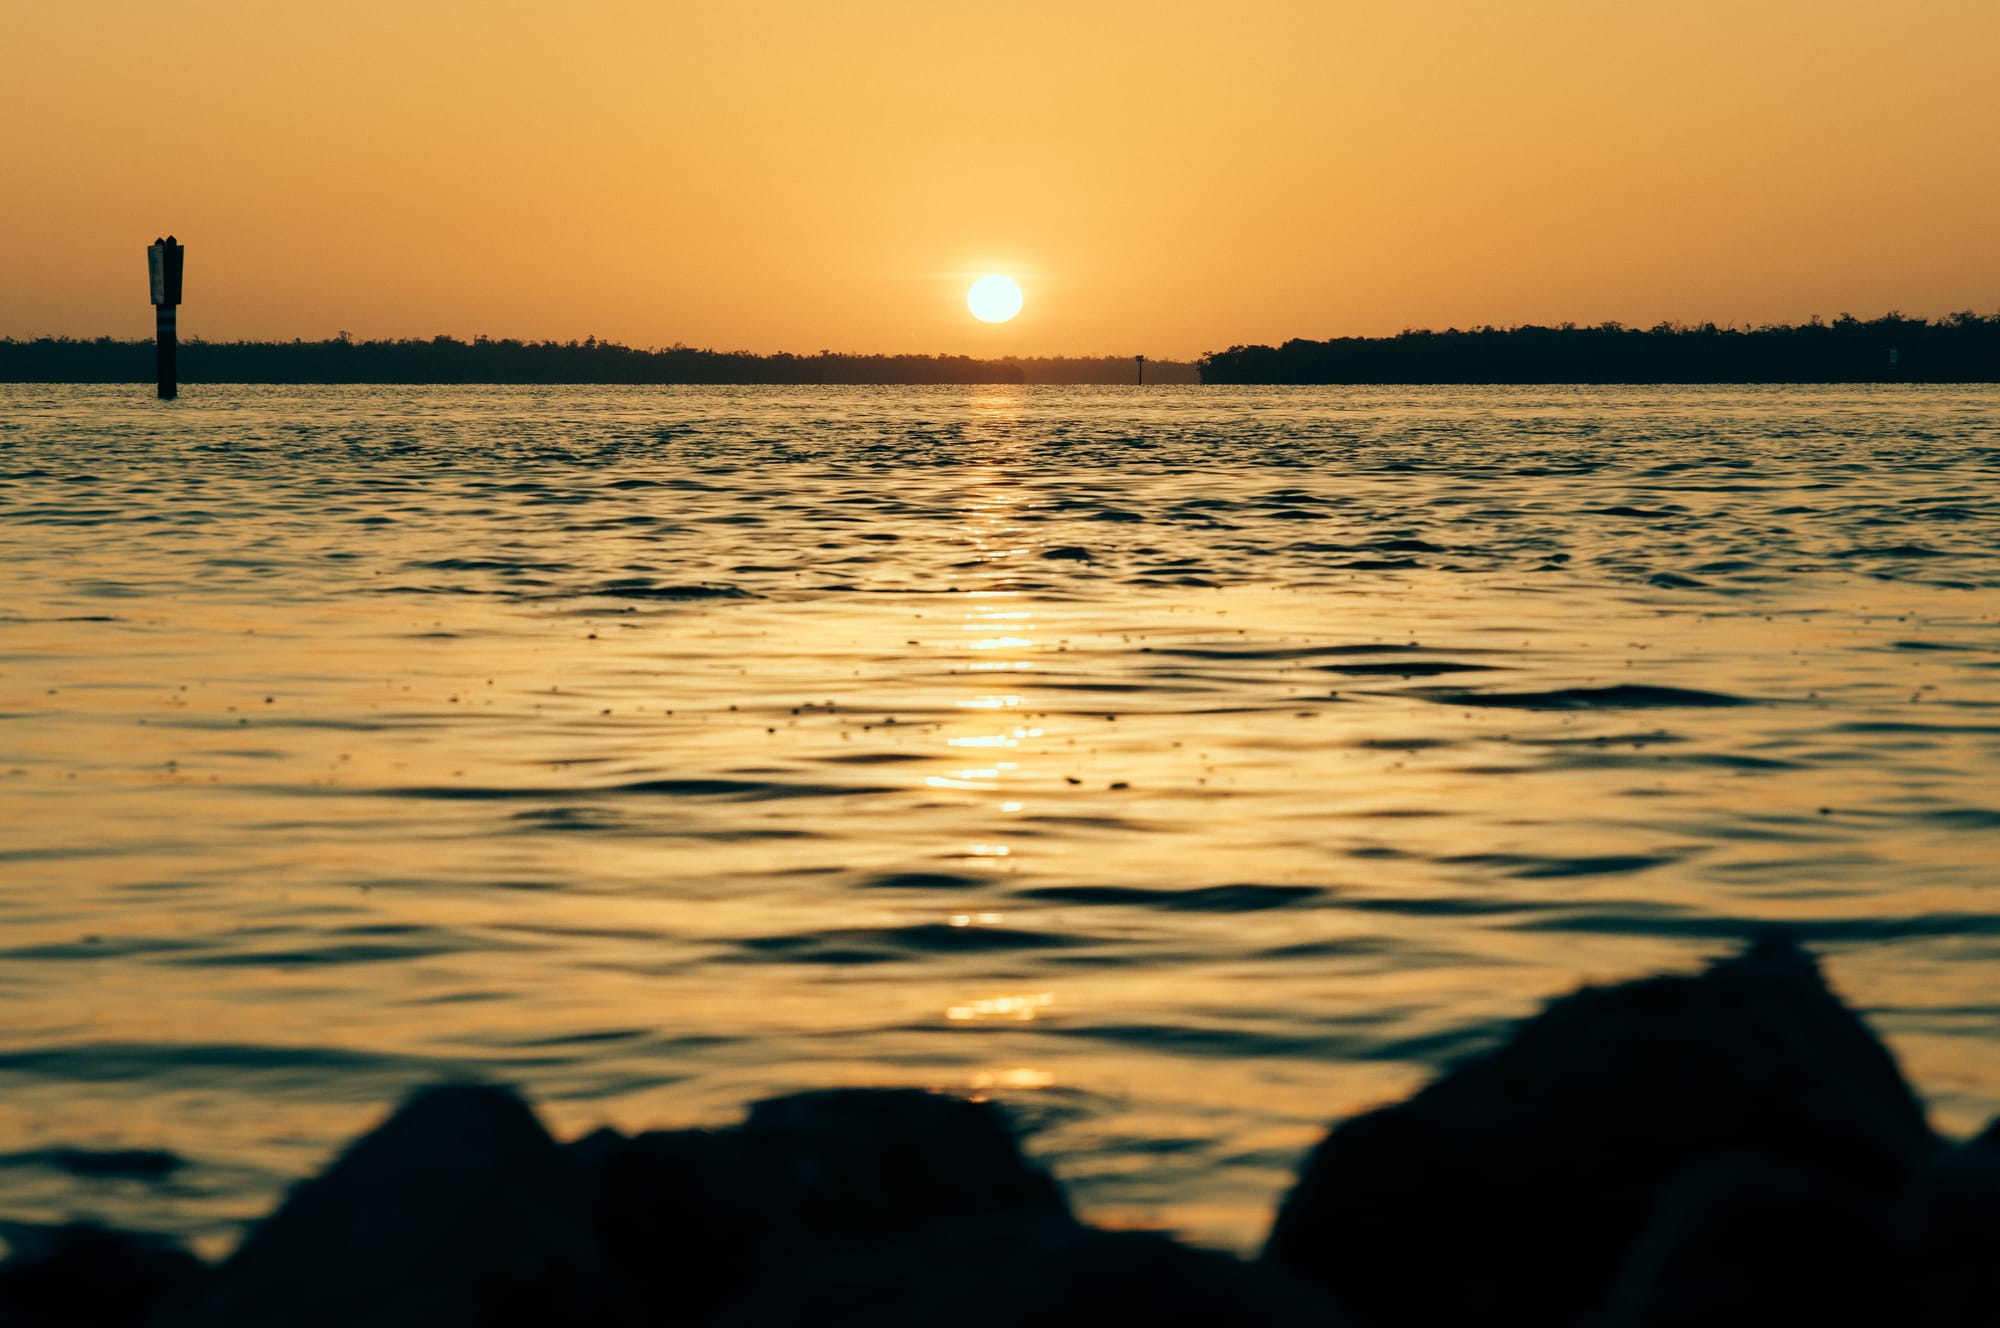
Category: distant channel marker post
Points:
column 163, row 262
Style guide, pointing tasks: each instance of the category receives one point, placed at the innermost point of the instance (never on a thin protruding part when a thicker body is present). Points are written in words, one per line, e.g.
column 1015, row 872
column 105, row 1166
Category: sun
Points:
column 994, row 299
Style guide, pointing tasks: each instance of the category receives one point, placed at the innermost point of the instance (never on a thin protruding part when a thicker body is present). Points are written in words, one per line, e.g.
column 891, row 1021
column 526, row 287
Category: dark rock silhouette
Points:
column 83, row 1276
column 1727, row 1148
column 1988, row 1141
column 459, row 1210
column 1753, row 1242
column 1516, row 1187
column 1950, row 1221
column 695, row 1216
column 986, row 1273
column 1756, row 1242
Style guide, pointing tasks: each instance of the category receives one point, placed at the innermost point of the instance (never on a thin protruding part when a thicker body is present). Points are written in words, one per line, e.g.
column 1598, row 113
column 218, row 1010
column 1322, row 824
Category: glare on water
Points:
column 1183, row 768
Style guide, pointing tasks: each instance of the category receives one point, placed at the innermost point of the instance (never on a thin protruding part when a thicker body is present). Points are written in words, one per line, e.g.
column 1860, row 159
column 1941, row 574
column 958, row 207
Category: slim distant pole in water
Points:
column 163, row 260
column 1142, row 370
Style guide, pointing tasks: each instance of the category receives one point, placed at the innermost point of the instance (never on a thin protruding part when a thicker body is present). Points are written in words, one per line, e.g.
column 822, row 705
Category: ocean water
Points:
column 1185, row 768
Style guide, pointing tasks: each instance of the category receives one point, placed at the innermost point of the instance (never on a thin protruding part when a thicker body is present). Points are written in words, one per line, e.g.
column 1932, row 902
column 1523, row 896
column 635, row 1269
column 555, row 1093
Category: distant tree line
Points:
column 1084, row 369
column 484, row 360
column 1962, row 348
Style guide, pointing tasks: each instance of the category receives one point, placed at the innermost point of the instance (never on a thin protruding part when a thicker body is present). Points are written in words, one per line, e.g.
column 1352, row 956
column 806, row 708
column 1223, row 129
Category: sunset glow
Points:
column 994, row 299
column 1055, row 663
column 659, row 173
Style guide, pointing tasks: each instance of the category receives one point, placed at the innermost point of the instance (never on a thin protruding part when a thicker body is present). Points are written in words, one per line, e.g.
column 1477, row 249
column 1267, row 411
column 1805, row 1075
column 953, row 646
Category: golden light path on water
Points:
column 1182, row 770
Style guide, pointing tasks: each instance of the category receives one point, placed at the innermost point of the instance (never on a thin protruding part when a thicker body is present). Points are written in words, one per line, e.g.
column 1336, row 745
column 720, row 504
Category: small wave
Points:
column 1428, row 1049
column 1966, row 818
column 1640, row 513
column 1206, row 899
column 68, row 618
column 721, row 790
column 1402, row 545
column 1340, row 947
column 98, row 947
column 876, row 945
column 1622, row 696
column 319, row 1071
column 1592, row 759
column 1403, row 744
column 1532, row 868
column 1908, row 726
column 647, row 591
column 1636, row 920
column 147, row 1164
column 1893, row 551
column 487, row 565
column 570, row 818
column 925, row 881
column 1450, row 906
column 1258, row 653
column 1374, row 648
column 1406, row 668
column 352, row 952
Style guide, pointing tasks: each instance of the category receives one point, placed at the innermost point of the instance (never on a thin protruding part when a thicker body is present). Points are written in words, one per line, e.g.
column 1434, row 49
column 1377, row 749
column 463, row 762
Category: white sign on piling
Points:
column 164, row 260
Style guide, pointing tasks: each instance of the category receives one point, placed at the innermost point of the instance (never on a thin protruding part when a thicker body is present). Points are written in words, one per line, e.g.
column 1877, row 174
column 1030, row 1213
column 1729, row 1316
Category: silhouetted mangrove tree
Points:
column 484, row 360
column 1962, row 348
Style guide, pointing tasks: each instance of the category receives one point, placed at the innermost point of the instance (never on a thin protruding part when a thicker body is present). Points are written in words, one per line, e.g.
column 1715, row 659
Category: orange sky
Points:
column 1162, row 178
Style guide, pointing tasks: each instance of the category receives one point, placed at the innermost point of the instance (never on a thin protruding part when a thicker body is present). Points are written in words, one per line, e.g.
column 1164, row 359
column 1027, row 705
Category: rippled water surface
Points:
column 1185, row 767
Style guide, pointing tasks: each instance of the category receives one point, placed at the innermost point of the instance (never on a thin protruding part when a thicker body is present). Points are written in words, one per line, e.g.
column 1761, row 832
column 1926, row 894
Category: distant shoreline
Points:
column 1960, row 348
column 446, row 360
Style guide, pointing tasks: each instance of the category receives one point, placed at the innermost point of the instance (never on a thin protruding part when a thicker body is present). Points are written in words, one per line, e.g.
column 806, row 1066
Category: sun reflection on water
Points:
column 999, row 628
column 1020, row 1077
column 1022, row 1009
column 1187, row 826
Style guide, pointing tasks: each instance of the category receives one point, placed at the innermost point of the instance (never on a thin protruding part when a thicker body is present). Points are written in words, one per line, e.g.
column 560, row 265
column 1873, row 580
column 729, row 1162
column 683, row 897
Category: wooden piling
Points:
column 163, row 264
column 166, row 348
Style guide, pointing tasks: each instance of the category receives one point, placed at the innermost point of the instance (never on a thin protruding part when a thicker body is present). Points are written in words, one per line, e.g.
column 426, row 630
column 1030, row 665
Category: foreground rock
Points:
column 877, row 1207
column 1051, row 1274
column 1671, row 1149
column 1728, row 1148
column 694, row 1217
column 86, row 1277
column 459, row 1210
